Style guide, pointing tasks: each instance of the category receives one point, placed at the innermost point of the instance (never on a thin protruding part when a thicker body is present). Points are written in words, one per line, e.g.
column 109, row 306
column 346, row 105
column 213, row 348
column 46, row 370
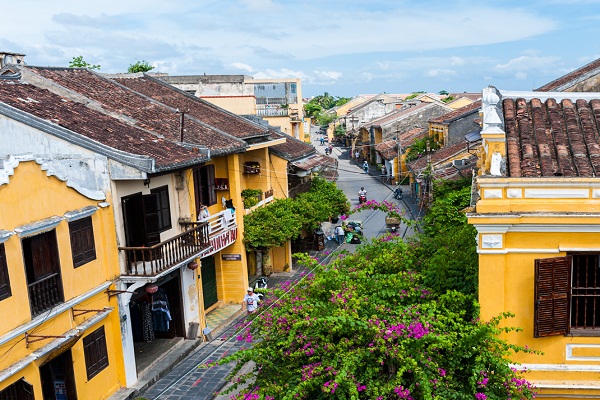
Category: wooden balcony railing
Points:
column 150, row 261
column 45, row 294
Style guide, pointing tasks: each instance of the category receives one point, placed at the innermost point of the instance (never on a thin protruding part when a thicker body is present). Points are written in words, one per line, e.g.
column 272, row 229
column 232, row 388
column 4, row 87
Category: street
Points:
column 190, row 381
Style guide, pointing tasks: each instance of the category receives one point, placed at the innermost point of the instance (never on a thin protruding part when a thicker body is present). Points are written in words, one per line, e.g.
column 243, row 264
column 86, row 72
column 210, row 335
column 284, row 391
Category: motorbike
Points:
column 362, row 198
column 261, row 283
column 327, row 151
column 398, row 194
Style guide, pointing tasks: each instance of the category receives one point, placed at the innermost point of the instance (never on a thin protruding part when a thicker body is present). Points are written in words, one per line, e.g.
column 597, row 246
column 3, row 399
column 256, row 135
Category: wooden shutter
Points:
column 151, row 225
column 20, row 390
column 83, row 248
column 4, row 281
column 552, row 296
column 210, row 185
column 95, row 352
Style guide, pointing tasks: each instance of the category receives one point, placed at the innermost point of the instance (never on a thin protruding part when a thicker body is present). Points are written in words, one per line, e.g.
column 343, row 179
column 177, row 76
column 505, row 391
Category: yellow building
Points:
column 537, row 215
column 60, row 329
column 276, row 101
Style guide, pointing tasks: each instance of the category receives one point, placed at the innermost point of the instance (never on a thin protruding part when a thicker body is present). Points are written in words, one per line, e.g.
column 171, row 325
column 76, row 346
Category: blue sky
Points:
column 345, row 48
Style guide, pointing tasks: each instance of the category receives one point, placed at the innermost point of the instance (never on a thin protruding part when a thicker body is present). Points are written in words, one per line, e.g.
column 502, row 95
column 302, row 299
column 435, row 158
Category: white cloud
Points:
column 521, row 75
column 457, row 61
column 525, row 63
column 439, row 72
column 242, row 66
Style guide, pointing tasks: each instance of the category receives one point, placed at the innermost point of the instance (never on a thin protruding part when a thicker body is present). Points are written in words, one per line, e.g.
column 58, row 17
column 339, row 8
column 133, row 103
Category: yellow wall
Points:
column 32, row 196
column 514, row 229
column 239, row 105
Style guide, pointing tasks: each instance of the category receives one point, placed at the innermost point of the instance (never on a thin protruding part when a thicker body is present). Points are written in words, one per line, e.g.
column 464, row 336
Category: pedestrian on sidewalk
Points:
column 251, row 300
column 357, row 155
column 340, row 234
column 366, row 167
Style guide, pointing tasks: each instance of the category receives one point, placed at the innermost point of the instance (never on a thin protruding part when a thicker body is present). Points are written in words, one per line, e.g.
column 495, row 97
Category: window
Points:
column 204, row 186
column 20, row 390
column 567, row 293
column 4, row 282
column 164, row 210
column 42, row 269
column 96, row 355
column 83, row 248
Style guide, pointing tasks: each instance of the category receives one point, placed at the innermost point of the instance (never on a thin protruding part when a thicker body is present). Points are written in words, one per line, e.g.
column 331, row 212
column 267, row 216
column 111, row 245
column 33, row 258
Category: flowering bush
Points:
column 366, row 327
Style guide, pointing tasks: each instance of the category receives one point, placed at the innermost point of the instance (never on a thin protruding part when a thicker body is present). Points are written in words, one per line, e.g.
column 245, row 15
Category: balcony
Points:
column 150, row 261
column 272, row 111
column 45, row 293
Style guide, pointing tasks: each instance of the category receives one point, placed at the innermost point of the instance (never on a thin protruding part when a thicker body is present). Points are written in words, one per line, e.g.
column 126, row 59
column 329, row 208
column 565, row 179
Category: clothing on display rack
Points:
column 161, row 316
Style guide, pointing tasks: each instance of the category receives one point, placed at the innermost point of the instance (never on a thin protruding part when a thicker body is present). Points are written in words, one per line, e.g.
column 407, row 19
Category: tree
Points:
column 79, row 62
column 371, row 326
column 307, row 211
column 367, row 327
column 140, row 66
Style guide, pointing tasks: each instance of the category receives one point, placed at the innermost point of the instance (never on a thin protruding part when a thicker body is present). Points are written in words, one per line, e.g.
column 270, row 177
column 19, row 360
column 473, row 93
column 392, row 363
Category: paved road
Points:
column 187, row 381
column 352, row 178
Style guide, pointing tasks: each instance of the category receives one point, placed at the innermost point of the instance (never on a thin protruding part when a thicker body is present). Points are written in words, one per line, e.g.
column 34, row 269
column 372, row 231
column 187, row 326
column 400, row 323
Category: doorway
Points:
column 58, row 379
column 209, row 281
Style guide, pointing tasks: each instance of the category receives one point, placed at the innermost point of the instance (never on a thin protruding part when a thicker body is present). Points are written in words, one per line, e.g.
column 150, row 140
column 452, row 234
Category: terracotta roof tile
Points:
column 570, row 79
column 550, row 138
column 95, row 125
column 458, row 113
column 292, row 149
column 136, row 109
column 438, row 156
column 202, row 110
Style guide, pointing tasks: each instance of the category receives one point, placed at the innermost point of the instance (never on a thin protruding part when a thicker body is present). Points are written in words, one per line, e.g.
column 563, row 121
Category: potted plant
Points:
column 250, row 197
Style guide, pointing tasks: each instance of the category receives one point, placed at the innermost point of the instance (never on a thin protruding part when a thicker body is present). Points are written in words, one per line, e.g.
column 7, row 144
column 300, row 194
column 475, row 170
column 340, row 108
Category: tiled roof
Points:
column 456, row 114
column 550, row 138
column 397, row 114
column 471, row 96
column 95, row 125
column 204, row 111
column 292, row 149
column 570, row 79
column 408, row 138
column 438, row 156
column 387, row 149
column 136, row 109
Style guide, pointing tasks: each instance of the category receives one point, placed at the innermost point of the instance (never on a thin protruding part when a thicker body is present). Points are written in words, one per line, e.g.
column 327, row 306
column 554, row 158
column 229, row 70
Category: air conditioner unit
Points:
column 459, row 163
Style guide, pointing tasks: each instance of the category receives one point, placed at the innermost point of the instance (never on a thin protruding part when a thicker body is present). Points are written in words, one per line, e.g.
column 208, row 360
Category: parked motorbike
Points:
column 398, row 194
column 261, row 283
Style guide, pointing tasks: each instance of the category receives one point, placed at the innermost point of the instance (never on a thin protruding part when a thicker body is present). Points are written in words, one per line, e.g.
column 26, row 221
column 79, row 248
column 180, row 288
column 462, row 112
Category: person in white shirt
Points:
column 251, row 300
column 204, row 214
column 340, row 234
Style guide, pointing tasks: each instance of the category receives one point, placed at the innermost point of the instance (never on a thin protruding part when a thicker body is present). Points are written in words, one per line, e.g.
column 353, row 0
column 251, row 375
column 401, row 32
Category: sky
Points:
column 344, row 48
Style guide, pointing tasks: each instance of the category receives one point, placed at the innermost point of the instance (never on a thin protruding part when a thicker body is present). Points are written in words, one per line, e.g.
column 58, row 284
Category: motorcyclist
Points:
column 398, row 193
column 362, row 194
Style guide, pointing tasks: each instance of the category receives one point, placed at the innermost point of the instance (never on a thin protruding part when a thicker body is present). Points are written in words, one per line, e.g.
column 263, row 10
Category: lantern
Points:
column 151, row 288
column 192, row 265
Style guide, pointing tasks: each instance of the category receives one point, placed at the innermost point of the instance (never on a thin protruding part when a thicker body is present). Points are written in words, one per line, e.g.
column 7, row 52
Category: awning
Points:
column 473, row 136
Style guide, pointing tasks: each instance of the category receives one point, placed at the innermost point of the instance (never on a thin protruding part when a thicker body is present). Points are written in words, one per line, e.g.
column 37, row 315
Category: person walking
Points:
column 356, row 155
column 251, row 300
column 366, row 167
column 340, row 234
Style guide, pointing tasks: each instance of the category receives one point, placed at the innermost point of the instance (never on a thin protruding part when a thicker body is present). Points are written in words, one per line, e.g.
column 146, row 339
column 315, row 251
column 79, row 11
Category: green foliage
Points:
column 324, row 119
column 340, row 130
column 250, row 197
column 367, row 327
column 413, row 95
column 447, row 99
column 283, row 220
column 272, row 225
column 79, row 62
column 318, row 105
column 140, row 66
column 443, row 93
column 322, row 201
column 419, row 148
